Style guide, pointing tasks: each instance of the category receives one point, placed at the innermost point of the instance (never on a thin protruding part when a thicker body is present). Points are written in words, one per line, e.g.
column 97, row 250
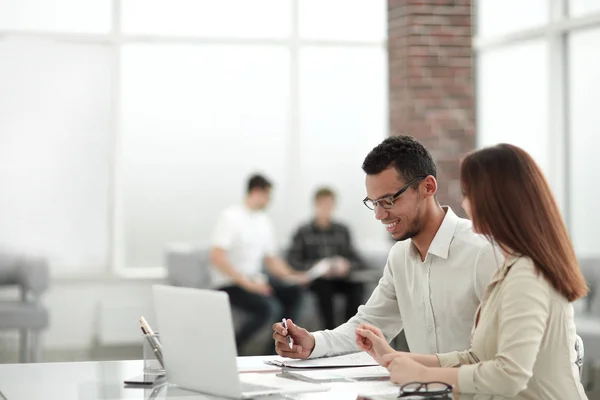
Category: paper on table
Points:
column 378, row 391
column 341, row 374
column 256, row 364
column 319, row 269
column 360, row 359
column 276, row 381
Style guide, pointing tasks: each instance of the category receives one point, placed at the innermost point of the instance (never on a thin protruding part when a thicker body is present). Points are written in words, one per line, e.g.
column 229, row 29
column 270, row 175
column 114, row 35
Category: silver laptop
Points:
column 196, row 332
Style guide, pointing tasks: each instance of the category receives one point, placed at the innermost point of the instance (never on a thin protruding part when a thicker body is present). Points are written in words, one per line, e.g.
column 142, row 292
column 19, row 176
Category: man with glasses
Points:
column 435, row 275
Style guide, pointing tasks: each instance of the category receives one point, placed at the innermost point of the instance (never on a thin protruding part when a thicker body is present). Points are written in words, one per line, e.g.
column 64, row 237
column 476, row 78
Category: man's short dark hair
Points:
column 258, row 182
column 324, row 192
column 405, row 153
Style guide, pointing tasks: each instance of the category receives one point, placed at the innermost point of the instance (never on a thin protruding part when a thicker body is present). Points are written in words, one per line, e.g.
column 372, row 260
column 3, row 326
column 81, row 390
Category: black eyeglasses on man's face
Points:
column 426, row 390
column 388, row 202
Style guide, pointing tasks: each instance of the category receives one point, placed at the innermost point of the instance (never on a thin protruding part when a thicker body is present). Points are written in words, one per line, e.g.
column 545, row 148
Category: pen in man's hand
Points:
column 288, row 337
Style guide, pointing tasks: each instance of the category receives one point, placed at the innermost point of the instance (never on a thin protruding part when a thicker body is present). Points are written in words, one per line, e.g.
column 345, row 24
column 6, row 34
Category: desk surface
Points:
column 104, row 381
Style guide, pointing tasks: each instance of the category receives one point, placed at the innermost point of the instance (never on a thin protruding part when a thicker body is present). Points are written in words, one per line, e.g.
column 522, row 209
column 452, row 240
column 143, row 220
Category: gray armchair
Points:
column 189, row 266
column 590, row 267
column 588, row 322
column 25, row 314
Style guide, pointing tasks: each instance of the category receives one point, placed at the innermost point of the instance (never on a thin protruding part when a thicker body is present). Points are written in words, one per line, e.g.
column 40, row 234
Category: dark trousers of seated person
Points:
column 326, row 289
column 264, row 310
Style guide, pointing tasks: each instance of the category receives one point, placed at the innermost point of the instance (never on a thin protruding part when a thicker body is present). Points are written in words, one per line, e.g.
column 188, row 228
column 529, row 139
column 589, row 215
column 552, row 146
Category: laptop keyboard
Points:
column 250, row 387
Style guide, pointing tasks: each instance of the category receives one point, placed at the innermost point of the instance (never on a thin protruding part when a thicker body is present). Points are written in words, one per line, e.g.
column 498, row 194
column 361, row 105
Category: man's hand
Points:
column 261, row 288
column 341, row 267
column 371, row 340
column 299, row 278
column 303, row 341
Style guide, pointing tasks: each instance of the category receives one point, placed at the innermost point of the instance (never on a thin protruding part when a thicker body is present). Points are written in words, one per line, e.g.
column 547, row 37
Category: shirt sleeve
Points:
column 523, row 311
column 224, row 232
column 457, row 358
column 488, row 262
column 270, row 242
column 381, row 310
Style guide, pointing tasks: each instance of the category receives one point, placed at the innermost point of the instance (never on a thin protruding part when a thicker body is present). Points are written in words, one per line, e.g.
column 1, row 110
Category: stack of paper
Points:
column 340, row 374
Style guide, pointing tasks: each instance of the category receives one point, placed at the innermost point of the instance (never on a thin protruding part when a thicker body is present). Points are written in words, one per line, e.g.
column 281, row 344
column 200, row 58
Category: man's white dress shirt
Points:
column 434, row 301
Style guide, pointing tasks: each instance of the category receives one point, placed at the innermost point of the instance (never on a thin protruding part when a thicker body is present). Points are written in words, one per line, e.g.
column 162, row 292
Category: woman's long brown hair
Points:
column 512, row 204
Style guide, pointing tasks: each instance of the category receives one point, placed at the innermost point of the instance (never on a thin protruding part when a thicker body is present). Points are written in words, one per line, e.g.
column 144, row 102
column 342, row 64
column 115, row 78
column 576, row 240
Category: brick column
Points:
column 431, row 83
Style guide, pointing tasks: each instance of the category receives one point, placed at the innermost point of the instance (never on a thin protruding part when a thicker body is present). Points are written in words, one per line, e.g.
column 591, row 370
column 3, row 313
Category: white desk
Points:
column 104, row 381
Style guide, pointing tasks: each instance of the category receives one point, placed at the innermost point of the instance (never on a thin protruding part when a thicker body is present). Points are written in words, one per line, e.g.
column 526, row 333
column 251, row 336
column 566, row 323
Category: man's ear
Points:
column 429, row 186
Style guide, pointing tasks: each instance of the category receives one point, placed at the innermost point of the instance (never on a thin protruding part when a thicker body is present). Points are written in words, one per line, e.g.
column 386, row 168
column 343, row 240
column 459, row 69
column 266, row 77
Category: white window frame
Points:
column 556, row 32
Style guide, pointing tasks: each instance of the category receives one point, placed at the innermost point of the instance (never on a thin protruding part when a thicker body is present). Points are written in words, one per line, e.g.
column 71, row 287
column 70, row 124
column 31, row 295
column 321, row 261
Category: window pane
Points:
column 582, row 7
column 343, row 103
column 222, row 18
column 198, row 120
column 506, row 16
column 343, row 19
column 584, row 97
column 88, row 16
column 54, row 150
column 512, row 98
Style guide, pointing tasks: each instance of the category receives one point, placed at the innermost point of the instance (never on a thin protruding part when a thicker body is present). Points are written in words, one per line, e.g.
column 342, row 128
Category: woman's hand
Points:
column 403, row 369
column 371, row 340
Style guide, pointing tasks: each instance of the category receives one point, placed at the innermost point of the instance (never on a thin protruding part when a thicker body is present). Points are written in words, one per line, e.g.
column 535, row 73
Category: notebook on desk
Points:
column 360, row 359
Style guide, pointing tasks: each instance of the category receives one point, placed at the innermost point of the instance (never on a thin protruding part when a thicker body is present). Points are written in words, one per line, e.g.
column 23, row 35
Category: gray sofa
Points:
column 189, row 266
column 25, row 313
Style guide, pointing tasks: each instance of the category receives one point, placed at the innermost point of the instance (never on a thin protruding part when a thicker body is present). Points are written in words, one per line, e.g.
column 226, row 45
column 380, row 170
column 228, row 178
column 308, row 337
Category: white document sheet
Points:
column 319, row 269
column 256, row 364
column 360, row 359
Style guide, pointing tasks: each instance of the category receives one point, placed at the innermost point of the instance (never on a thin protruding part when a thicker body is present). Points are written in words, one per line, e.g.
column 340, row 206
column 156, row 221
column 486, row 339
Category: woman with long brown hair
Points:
column 523, row 339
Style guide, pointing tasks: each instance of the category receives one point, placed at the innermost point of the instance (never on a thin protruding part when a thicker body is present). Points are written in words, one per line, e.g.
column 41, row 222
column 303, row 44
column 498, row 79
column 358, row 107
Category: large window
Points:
column 584, row 138
column 511, row 96
column 538, row 86
column 128, row 125
column 55, row 147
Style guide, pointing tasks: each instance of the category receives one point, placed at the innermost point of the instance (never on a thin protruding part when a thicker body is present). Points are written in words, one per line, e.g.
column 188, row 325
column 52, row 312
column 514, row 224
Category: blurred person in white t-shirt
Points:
column 242, row 243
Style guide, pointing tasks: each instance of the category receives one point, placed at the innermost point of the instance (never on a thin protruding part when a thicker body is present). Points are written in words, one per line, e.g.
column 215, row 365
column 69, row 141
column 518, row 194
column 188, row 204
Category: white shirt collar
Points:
column 440, row 245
